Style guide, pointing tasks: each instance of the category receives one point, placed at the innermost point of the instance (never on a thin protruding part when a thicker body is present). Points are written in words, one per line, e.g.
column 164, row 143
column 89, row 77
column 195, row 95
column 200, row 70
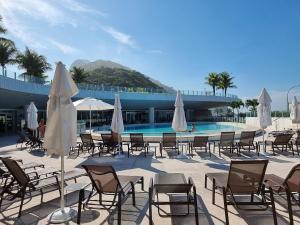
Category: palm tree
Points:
column 237, row 105
column 225, row 82
column 34, row 64
column 3, row 30
column 213, row 80
column 78, row 74
column 252, row 104
column 7, row 54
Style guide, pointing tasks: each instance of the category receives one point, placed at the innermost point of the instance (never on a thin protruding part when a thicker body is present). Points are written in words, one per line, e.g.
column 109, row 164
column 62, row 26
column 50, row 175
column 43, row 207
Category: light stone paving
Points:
column 36, row 213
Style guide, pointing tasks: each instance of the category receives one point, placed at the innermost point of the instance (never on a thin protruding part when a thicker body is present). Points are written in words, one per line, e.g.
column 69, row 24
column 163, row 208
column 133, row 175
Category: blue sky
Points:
column 176, row 42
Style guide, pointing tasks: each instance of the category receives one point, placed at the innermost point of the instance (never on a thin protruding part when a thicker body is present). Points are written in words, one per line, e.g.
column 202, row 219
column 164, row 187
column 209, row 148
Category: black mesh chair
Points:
column 169, row 142
column 245, row 178
column 199, row 143
column 137, row 143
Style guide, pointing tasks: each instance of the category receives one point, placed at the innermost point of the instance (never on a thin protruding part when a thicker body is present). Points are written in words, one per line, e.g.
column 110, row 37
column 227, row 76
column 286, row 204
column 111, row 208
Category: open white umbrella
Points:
column 117, row 125
column 61, row 130
column 91, row 104
column 32, row 117
column 179, row 122
column 264, row 111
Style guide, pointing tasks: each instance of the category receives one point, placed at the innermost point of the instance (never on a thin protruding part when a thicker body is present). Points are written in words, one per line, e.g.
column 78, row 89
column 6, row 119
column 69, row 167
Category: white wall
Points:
column 279, row 123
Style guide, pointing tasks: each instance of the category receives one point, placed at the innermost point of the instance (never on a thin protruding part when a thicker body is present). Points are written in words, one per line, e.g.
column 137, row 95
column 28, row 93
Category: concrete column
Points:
column 151, row 115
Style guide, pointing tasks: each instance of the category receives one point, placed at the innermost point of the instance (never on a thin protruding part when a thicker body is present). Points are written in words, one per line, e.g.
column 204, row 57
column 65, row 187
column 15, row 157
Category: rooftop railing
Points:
column 102, row 87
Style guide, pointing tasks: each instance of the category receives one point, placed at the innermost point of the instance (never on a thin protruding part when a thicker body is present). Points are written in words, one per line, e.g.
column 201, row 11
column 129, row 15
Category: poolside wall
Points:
column 278, row 123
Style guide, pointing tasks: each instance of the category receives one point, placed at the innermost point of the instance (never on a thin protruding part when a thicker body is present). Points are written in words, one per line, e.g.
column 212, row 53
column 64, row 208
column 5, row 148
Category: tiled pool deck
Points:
column 36, row 213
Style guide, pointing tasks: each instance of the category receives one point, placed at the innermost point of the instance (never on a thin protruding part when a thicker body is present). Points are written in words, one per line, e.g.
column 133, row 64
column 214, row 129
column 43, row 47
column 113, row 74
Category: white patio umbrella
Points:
column 91, row 104
column 179, row 122
column 32, row 117
column 117, row 125
column 61, row 131
column 294, row 111
column 264, row 111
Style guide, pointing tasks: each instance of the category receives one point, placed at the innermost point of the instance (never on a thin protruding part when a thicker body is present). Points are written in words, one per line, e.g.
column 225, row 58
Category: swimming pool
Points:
column 201, row 128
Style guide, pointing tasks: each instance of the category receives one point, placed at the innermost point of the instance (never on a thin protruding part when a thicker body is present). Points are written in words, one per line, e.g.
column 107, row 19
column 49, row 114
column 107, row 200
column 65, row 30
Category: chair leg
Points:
column 133, row 193
column 119, row 208
column 225, row 207
column 150, row 207
column 22, row 201
column 205, row 181
column 273, row 206
column 288, row 196
column 213, row 191
column 196, row 206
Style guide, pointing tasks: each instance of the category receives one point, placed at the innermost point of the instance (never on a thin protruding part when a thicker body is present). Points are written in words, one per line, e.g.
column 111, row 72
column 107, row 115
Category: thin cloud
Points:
column 119, row 36
column 64, row 48
column 80, row 7
column 155, row 51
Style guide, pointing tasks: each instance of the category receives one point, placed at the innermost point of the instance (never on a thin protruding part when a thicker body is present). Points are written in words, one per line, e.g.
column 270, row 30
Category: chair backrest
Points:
column 87, row 140
column 106, row 138
column 246, row 176
column 136, row 138
column 169, row 139
column 292, row 181
column 297, row 141
column 283, row 139
column 247, row 137
column 200, row 141
column 16, row 171
column 103, row 177
column 227, row 138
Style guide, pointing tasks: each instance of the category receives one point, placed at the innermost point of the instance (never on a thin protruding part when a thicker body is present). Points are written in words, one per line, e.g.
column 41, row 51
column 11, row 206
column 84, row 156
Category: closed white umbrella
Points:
column 294, row 111
column 117, row 125
column 264, row 111
column 61, row 130
column 91, row 104
column 32, row 117
column 179, row 122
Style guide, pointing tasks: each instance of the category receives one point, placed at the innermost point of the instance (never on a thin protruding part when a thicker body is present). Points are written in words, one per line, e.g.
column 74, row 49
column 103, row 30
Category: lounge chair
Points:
column 245, row 178
column 105, row 181
column 200, row 142
column 226, row 142
column 109, row 142
column 281, row 141
column 88, row 144
column 289, row 186
column 172, row 183
column 168, row 142
column 26, row 185
column 246, row 142
column 137, row 143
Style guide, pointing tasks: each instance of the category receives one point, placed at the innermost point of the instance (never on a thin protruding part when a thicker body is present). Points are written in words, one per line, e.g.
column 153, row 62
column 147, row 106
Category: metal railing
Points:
column 102, row 87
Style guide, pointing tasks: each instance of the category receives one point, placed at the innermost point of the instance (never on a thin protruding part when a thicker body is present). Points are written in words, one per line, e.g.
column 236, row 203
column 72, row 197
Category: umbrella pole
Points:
column 90, row 121
column 62, row 167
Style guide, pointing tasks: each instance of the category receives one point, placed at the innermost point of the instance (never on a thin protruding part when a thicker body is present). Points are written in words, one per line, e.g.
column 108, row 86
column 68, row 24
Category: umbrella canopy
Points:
column 264, row 109
column 179, row 121
column 92, row 104
column 62, row 116
column 295, row 114
column 117, row 125
column 32, row 117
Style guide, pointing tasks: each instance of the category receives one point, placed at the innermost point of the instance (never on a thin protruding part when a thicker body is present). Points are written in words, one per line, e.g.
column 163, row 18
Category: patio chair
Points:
column 200, row 142
column 88, row 144
column 137, row 143
column 226, row 142
column 26, row 185
column 168, row 142
column 290, row 185
column 22, row 138
column 34, row 143
column 245, row 178
column 281, row 141
column 105, row 181
column 246, row 142
column 110, row 142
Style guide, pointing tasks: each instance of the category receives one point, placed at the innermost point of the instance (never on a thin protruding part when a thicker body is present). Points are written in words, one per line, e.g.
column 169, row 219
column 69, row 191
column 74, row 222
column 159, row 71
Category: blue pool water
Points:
column 201, row 128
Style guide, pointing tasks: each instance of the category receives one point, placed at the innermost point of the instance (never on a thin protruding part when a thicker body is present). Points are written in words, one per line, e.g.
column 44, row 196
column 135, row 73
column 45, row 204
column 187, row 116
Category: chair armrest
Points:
column 40, row 179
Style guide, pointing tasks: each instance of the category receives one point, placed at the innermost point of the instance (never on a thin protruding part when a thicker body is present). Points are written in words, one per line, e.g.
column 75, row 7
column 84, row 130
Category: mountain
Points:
column 114, row 74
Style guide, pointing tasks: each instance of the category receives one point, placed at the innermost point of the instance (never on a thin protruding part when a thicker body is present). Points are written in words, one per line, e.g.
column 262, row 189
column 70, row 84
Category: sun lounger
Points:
column 246, row 142
column 105, row 181
column 290, row 186
column 281, row 141
column 169, row 142
column 245, row 178
column 137, row 143
column 226, row 142
column 200, row 142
